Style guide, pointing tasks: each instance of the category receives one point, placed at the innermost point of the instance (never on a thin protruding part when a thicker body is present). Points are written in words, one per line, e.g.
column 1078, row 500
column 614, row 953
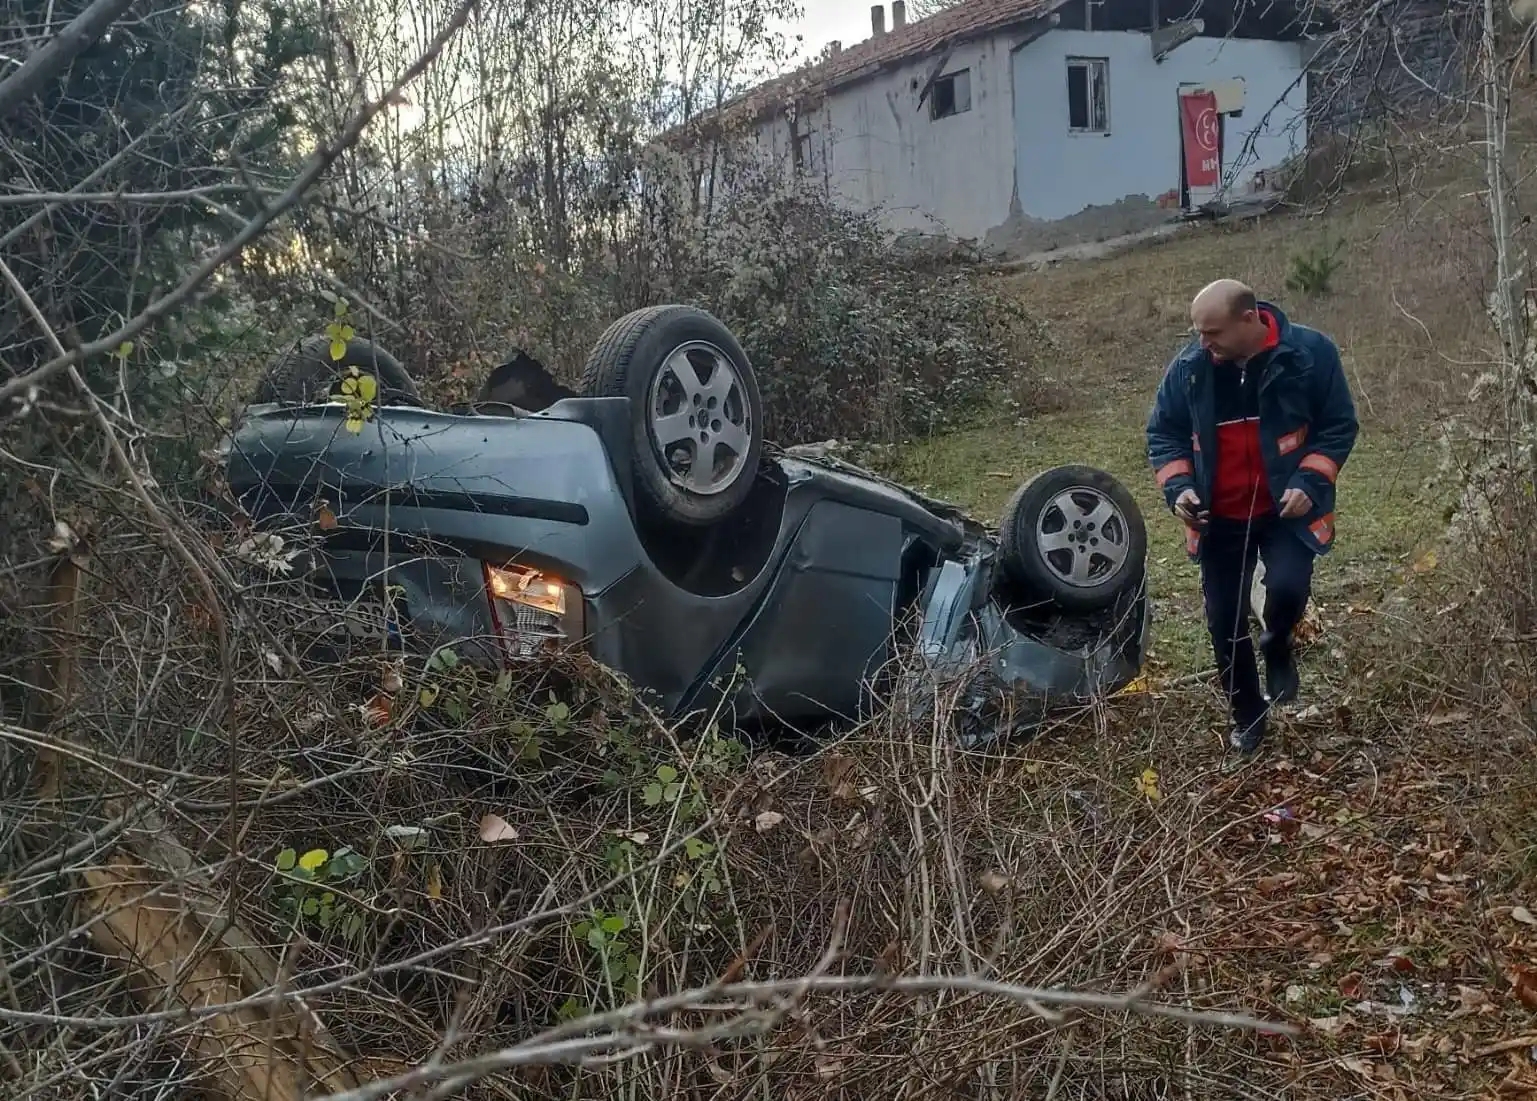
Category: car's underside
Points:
column 502, row 531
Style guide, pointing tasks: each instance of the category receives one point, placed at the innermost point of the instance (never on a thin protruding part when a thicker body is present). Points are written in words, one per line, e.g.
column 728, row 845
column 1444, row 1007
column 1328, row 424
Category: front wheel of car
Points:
column 1074, row 535
column 696, row 413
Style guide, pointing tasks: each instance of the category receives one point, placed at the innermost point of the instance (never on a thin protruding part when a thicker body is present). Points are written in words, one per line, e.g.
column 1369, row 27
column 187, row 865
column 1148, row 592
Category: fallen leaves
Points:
column 767, row 820
column 838, row 772
column 1523, row 984
column 1147, row 785
column 994, row 882
column 495, row 830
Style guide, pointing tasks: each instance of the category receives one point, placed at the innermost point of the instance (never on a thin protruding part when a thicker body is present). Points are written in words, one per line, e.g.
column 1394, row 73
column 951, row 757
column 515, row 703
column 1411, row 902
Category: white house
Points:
column 1031, row 124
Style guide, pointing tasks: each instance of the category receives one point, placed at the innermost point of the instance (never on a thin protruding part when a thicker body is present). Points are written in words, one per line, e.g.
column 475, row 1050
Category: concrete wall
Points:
column 872, row 145
column 1008, row 172
column 1081, row 187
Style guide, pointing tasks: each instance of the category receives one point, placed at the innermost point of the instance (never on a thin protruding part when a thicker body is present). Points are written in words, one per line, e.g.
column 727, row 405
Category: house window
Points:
column 951, row 94
column 1088, row 95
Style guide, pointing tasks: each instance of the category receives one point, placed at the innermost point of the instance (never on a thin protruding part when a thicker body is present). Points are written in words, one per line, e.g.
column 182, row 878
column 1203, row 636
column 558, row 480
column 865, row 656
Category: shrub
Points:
column 1312, row 270
column 852, row 334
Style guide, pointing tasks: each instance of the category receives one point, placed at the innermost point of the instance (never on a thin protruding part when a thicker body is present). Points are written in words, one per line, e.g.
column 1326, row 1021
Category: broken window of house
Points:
column 1088, row 94
column 951, row 94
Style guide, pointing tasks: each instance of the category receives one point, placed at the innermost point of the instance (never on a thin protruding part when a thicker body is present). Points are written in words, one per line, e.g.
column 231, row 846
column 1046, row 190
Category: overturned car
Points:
column 647, row 520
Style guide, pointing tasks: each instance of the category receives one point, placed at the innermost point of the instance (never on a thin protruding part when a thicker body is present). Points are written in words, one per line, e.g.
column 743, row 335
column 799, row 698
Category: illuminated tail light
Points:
column 532, row 611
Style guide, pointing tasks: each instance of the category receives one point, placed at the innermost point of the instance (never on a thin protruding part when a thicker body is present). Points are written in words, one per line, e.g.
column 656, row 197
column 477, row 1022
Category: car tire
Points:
column 1074, row 535
column 668, row 361
column 306, row 373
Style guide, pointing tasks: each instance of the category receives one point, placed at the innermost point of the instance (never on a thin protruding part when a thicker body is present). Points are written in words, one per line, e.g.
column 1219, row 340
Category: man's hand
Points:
column 1295, row 503
column 1187, row 506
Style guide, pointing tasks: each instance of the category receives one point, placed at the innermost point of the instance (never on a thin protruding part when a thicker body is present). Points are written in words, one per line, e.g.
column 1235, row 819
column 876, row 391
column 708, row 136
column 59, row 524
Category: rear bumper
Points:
column 964, row 630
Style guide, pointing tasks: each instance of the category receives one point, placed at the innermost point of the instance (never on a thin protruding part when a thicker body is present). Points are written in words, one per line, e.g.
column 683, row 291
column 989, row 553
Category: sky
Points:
column 822, row 21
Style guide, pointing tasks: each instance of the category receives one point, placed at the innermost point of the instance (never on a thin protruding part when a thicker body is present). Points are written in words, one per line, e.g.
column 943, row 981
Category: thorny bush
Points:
column 391, row 814
column 854, row 334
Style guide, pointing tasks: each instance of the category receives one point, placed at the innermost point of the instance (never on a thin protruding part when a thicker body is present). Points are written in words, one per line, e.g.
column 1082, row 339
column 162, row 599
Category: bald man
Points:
column 1252, row 422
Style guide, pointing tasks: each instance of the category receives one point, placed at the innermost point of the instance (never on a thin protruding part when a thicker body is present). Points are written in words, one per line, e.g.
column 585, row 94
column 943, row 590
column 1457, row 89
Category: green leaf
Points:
column 338, row 349
column 581, row 930
column 557, row 713
column 666, row 773
column 671, row 792
column 286, row 860
column 339, row 306
column 651, row 794
column 311, row 907
column 614, row 923
column 595, row 938
column 697, row 849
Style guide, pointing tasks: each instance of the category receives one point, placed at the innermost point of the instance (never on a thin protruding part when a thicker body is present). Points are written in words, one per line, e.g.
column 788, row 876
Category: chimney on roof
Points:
column 898, row 14
column 835, row 47
column 877, row 19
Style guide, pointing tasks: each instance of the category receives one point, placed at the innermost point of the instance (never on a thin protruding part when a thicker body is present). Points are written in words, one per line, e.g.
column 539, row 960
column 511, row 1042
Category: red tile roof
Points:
column 964, row 21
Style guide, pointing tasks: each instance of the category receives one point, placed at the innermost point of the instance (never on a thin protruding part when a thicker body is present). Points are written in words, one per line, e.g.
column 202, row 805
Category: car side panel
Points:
column 824, row 629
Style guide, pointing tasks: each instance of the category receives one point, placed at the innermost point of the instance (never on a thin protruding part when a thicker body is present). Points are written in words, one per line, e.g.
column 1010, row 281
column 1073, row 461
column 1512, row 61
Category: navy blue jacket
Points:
column 1307, row 426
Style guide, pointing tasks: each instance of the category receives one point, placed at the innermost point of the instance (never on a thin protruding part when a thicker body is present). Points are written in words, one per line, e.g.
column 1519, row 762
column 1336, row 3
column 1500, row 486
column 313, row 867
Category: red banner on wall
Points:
column 1201, row 126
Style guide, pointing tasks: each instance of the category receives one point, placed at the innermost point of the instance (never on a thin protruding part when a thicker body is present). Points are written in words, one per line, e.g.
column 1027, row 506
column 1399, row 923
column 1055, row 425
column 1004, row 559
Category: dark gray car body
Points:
column 786, row 616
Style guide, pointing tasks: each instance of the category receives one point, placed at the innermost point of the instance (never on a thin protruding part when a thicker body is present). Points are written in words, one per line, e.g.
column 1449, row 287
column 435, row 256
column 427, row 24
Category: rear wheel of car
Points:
column 1074, row 535
column 306, row 373
column 696, row 413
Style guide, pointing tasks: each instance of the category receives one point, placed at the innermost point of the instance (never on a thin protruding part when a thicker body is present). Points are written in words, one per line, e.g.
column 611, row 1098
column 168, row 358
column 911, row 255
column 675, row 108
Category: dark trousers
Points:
column 1229, row 550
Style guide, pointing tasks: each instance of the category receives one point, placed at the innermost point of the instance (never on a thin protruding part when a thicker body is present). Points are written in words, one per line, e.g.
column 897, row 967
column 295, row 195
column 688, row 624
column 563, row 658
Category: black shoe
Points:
column 1282, row 681
column 1246, row 738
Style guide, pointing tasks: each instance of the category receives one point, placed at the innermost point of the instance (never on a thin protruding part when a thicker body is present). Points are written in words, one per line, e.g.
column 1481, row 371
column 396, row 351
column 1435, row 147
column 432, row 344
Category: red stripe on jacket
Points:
column 1240, row 489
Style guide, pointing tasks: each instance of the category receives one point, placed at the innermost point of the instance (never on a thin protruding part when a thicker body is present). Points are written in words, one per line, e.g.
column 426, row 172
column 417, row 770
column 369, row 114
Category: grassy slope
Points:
column 1317, row 920
column 1119, row 320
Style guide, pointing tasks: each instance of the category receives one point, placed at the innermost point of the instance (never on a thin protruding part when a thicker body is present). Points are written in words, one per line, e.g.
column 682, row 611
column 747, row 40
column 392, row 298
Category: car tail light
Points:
column 533, row 611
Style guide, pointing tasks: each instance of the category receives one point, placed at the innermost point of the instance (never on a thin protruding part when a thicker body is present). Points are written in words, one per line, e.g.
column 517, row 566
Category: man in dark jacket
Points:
column 1252, row 423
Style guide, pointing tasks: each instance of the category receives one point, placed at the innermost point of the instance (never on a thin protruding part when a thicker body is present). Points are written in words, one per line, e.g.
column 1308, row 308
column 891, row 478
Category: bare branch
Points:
column 143, row 198
column 55, row 57
column 623, row 1030
column 322, row 159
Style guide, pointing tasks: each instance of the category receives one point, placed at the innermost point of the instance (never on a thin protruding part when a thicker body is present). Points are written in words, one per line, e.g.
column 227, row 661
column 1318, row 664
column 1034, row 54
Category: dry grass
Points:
column 1108, row 855
column 1405, row 309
